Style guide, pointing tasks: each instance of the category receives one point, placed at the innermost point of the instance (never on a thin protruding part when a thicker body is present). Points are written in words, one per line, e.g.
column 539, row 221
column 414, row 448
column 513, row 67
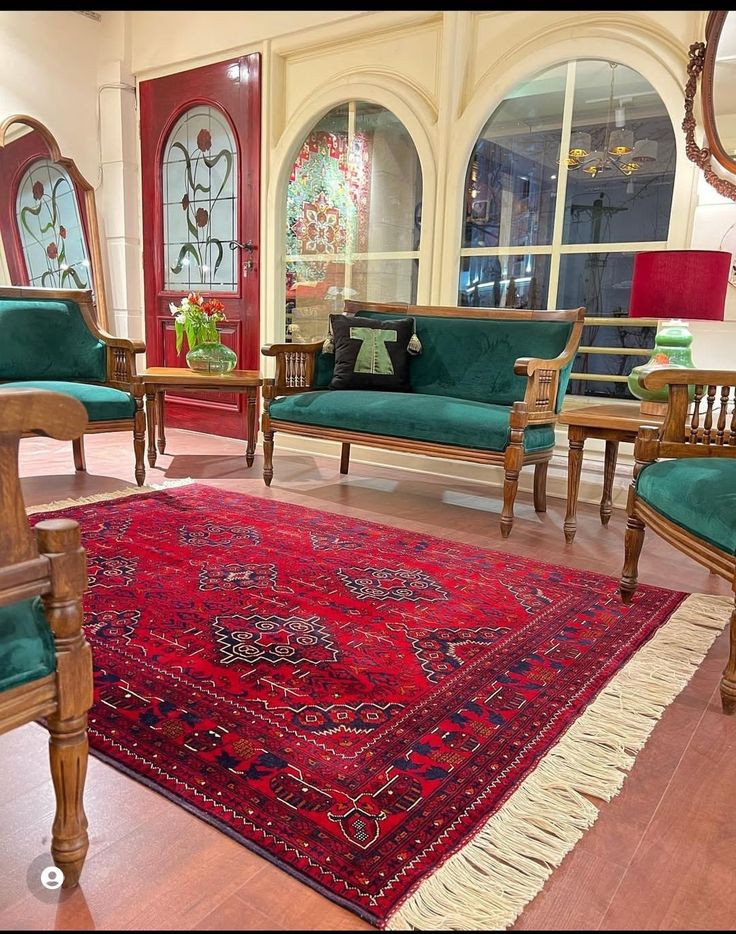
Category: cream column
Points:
column 118, row 197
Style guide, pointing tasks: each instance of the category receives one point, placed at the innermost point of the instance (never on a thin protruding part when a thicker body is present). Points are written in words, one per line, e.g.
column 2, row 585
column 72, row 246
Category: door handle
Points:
column 250, row 247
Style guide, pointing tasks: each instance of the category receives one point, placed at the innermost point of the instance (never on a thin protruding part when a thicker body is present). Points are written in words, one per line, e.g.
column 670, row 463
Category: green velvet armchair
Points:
column 45, row 661
column 684, row 485
column 50, row 340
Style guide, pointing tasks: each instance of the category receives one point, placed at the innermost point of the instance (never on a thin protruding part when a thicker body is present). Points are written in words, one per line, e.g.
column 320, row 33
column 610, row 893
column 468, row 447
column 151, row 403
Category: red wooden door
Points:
column 43, row 220
column 200, row 152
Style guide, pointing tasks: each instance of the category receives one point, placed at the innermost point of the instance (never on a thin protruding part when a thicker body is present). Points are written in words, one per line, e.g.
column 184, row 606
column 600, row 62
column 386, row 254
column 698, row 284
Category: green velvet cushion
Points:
column 473, row 358
column 102, row 402
column 422, row 417
column 44, row 339
column 26, row 644
column 696, row 493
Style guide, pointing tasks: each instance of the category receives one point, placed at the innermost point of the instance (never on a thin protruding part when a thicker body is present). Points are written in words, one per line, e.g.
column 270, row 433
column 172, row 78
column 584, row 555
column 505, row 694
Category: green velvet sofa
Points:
column 51, row 341
column 487, row 387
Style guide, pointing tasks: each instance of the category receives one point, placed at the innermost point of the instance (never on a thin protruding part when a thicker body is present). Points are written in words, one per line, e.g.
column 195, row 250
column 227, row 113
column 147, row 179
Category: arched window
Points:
column 50, row 228
column 571, row 176
column 353, row 217
column 200, row 165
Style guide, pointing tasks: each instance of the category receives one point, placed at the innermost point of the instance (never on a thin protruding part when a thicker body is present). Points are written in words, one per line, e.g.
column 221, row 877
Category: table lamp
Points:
column 679, row 286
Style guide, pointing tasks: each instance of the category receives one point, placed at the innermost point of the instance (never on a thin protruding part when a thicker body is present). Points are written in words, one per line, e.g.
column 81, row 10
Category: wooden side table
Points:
column 160, row 379
column 613, row 423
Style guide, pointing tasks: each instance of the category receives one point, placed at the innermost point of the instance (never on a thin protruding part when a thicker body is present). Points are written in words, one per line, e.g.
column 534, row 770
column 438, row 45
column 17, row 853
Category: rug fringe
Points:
column 488, row 883
column 114, row 494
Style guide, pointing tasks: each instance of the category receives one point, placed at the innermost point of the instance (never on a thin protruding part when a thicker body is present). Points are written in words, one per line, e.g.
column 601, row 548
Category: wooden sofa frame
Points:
column 701, row 428
column 49, row 562
column 295, row 371
column 121, row 370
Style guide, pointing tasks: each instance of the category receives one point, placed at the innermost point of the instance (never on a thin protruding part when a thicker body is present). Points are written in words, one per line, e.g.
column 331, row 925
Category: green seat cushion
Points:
column 473, row 358
column 440, row 419
column 47, row 339
column 26, row 644
column 696, row 493
column 102, row 402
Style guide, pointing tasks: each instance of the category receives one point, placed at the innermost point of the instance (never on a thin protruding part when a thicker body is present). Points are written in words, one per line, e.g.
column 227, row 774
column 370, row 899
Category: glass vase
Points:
column 211, row 357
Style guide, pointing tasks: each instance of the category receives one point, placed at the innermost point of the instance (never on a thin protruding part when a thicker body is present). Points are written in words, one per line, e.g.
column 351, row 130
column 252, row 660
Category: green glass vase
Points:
column 211, row 357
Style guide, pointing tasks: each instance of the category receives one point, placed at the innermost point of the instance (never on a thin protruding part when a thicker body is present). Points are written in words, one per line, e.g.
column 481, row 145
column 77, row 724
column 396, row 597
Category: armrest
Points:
column 543, row 376
column 28, row 412
column 294, row 368
column 684, row 376
column 700, row 420
column 38, row 412
column 121, row 363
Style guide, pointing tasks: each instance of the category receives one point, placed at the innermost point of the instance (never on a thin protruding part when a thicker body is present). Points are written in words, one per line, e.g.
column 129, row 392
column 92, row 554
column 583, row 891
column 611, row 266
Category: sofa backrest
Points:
column 473, row 357
column 48, row 339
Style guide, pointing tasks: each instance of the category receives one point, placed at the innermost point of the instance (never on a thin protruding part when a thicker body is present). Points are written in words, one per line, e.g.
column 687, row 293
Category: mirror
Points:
column 719, row 87
column 716, row 60
column 48, row 217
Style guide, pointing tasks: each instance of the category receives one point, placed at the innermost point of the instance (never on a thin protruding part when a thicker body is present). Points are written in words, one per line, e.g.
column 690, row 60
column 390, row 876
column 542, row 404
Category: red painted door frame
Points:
column 232, row 88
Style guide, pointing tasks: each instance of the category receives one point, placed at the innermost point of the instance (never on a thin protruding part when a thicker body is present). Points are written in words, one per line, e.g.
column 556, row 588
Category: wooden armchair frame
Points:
column 702, row 428
column 121, row 371
column 49, row 562
column 295, row 373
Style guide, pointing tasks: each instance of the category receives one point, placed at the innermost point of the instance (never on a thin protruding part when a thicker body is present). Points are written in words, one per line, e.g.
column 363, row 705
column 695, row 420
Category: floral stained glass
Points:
column 50, row 226
column 200, row 202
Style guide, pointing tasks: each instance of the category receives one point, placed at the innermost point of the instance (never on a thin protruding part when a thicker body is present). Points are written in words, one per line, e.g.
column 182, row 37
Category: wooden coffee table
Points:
column 614, row 422
column 161, row 379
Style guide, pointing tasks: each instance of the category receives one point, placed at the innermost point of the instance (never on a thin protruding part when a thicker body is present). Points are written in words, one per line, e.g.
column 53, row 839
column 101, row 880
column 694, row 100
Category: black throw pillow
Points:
column 371, row 354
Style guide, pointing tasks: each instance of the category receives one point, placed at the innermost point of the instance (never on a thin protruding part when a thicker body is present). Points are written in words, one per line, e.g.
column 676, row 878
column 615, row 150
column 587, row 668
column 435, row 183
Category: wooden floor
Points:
column 662, row 855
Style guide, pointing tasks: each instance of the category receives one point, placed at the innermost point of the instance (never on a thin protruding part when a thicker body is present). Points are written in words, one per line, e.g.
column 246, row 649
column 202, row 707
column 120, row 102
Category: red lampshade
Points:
column 684, row 284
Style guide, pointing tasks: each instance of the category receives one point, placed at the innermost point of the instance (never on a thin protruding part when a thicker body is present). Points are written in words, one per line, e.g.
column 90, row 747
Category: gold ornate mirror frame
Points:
column 702, row 62
column 90, row 229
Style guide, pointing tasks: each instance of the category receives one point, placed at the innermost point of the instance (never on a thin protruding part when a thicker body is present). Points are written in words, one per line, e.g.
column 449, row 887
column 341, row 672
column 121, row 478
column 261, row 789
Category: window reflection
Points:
column 580, row 156
column 353, row 217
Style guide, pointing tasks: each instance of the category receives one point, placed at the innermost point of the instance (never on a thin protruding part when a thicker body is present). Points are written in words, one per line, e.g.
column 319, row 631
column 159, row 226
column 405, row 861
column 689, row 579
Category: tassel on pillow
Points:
column 414, row 347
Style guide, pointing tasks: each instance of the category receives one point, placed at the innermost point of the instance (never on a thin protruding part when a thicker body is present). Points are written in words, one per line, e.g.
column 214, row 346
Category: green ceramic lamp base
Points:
column 671, row 348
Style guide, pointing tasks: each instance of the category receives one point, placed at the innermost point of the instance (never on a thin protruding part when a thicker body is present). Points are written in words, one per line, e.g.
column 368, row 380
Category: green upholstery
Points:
column 473, row 358
column 26, row 644
column 102, row 402
column 684, row 490
column 47, row 339
column 422, row 417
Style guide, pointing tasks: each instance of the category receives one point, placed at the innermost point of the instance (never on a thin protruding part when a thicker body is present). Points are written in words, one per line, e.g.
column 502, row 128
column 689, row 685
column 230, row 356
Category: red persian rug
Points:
column 392, row 718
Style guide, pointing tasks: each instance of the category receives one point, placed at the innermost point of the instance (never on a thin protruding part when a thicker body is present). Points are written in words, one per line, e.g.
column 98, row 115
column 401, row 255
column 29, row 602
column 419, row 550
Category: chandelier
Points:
column 620, row 150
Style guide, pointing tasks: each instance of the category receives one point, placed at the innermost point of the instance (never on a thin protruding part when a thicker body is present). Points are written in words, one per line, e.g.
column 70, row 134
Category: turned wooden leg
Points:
column 161, row 421
column 728, row 681
column 68, row 750
column 68, row 753
column 267, row 457
column 139, row 440
column 151, row 420
column 252, row 427
column 576, row 442
column 510, row 486
column 80, row 462
column 609, row 472
column 344, row 457
column 540, row 486
column 633, row 542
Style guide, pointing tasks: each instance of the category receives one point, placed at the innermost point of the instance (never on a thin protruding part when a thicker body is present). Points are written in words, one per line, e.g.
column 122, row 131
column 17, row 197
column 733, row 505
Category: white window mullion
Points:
column 559, row 221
